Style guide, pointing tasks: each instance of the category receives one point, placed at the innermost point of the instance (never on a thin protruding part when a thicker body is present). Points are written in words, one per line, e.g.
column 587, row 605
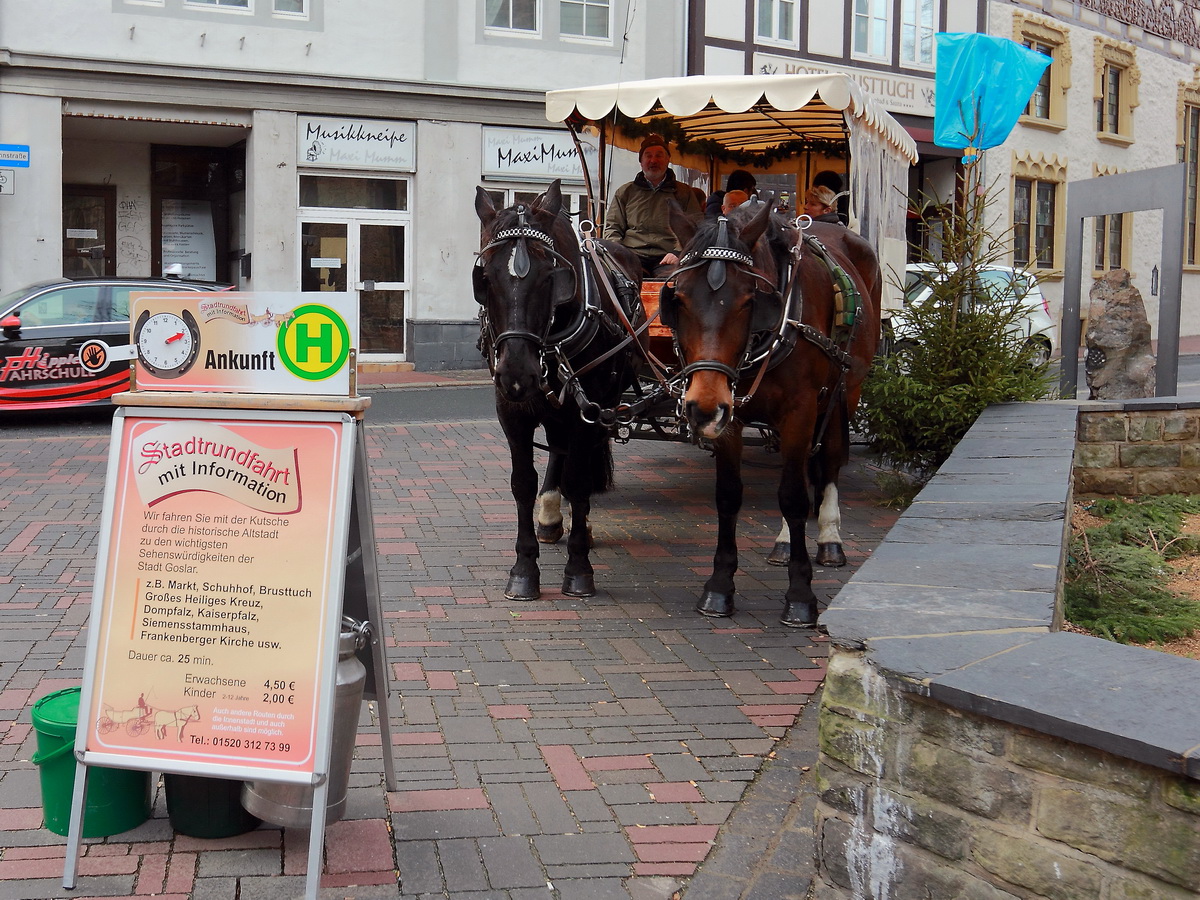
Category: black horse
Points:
column 559, row 333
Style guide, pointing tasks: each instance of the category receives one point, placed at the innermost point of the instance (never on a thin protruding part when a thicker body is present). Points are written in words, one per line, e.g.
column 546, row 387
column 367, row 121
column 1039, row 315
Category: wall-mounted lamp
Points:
column 1154, row 282
column 202, row 37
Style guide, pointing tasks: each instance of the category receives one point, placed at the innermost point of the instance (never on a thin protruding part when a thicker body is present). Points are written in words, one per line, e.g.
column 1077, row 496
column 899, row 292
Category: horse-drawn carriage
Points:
column 769, row 320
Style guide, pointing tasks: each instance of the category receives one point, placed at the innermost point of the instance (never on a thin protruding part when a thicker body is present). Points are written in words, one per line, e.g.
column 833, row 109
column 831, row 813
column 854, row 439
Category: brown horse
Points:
column 561, row 355
column 735, row 280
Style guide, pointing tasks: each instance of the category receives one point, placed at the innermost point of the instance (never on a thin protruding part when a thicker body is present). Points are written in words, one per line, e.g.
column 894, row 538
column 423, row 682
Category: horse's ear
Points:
column 754, row 229
column 550, row 200
column 484, row 207
column 767, row 311
column 681, row 224
column 668, row 306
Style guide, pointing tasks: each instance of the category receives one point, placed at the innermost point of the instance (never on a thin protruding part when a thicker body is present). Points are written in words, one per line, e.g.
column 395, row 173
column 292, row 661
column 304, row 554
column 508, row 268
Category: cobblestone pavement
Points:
column 616, row 747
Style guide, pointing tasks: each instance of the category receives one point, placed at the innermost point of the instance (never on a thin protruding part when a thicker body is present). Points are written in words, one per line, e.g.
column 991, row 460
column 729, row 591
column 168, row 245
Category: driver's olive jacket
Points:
column 638, row 214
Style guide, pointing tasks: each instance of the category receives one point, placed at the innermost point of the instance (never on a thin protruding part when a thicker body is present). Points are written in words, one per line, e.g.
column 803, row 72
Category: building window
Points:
column 1039, row 102
column 1047, row 107
column 512, row 15
column 916, row 32
column 1033, row 223
column 1109, row 244
column 229, row 4
column 776, row 21
column 872, row 28
column 1037, row 211
column 1116, row 90
column 585, row 18
column 1112, row 235
column 293, row 7
column 1108, row 104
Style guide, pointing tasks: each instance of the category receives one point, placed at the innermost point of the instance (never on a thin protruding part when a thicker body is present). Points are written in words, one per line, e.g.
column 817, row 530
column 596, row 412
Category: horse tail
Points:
column 602, row 464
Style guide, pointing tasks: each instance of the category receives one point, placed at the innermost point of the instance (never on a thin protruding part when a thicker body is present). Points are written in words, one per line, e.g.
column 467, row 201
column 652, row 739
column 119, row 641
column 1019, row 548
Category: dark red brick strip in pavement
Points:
column 561, row 748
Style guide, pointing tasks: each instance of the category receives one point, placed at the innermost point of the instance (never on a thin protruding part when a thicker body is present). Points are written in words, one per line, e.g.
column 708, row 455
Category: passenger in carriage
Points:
column 639, row 211
column 820, row 204
column 738, row 180
column 732, row 200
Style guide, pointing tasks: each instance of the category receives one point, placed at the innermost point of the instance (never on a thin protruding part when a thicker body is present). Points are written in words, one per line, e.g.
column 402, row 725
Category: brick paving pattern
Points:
column 616, row 747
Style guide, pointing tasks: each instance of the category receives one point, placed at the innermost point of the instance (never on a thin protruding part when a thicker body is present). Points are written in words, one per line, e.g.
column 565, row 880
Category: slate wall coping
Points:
column 961, row 601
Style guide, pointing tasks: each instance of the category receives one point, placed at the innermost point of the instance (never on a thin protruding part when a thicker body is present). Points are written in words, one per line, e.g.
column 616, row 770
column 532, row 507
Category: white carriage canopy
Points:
column 761, row 122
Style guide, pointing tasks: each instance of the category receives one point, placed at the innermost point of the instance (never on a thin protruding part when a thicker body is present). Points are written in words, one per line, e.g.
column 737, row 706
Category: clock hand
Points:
column 175, row 337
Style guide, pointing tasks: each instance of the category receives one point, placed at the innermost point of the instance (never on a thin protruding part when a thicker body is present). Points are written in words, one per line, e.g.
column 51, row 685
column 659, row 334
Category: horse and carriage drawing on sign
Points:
column 769, row 322
column 141, row 718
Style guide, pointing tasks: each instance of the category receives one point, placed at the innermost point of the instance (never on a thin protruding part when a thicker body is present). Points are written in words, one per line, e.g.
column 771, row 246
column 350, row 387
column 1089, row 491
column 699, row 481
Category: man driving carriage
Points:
column 638, row 213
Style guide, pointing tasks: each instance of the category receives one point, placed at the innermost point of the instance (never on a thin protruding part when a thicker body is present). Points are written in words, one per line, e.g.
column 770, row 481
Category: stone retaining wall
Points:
column 1138, row 448
column 968, row 749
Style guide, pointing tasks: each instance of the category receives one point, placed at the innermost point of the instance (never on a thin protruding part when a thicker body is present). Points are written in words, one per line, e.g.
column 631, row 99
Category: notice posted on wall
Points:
column 217, row 606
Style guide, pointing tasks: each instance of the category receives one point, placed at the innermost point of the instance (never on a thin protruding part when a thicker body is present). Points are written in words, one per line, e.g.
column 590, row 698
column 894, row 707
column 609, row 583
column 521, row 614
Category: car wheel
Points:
column 1039, row 353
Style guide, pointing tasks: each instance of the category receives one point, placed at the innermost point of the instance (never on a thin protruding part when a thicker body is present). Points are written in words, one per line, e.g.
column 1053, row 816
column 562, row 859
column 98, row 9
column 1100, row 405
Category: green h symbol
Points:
column 322, row 341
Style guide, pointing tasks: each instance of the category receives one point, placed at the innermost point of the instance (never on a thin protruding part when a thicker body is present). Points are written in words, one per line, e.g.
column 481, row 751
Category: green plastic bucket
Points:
column 117, row 799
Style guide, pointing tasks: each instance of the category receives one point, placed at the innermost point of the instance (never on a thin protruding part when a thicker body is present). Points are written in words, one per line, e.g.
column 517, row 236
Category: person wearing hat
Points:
column 639, row 211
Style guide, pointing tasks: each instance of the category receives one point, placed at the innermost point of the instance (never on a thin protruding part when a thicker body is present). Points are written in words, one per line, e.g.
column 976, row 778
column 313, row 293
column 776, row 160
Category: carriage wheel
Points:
column 105, row 725
column 138, row 726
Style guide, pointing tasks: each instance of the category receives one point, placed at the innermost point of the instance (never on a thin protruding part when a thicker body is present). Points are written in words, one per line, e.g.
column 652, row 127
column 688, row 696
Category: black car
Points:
column 42, row 327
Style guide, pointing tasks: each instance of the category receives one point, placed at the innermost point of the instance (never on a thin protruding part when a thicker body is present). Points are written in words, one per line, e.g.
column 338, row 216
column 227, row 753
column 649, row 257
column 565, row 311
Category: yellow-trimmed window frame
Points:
column 1034, row 30
column 1040, row 168
column 1103, row 233
column 1109, row 53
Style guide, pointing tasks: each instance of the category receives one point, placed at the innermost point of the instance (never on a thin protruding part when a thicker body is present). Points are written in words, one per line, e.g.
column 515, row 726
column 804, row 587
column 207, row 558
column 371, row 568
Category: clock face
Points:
column 167, row 343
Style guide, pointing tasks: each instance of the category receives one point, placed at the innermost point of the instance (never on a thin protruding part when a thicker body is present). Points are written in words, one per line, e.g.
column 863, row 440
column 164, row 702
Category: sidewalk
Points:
column 615, row 748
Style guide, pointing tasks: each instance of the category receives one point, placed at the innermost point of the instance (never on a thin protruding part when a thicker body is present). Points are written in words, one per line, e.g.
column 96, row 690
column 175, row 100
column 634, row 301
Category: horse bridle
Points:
column 520, row 268
column 717, row 258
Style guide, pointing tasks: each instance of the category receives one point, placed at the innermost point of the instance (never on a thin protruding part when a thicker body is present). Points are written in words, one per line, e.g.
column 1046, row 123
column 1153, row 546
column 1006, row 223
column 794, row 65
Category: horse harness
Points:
column 775, row 344
column 560, row 347
column 782, row 334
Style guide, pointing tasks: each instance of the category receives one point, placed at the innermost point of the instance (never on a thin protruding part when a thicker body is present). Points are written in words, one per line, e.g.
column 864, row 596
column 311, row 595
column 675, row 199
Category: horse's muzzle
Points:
column 708, row 422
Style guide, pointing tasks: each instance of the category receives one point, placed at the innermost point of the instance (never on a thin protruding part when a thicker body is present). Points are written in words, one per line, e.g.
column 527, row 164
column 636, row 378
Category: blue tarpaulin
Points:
column 983, row 84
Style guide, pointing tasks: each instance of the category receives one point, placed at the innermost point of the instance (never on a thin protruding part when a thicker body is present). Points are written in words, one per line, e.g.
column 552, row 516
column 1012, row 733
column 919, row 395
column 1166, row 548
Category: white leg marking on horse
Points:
column 785, row 534
column 548, row 508
column 829, row 519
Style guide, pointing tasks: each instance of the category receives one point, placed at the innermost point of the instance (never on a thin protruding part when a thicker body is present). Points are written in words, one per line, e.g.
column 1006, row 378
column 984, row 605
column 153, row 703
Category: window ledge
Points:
column 1120, row 140
column 1043, row 124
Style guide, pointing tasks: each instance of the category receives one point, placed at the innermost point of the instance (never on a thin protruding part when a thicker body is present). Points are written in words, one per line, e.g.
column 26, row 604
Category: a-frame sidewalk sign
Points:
column 236, row 532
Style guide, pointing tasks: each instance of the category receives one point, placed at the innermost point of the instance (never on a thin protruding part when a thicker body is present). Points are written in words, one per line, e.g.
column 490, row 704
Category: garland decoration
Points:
column 669, row 129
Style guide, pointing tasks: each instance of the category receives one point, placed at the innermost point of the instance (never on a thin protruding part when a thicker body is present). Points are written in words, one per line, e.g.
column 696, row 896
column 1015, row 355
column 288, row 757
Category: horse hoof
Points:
column 715, row 605
column 781, row 553
column 801, row 614
column 830, row 555
column 549, row 534
column 522, row 587
column 579, row 585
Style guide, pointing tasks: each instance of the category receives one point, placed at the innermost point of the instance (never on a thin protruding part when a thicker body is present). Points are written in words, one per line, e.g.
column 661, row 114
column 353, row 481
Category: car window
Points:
column 67, row 305
column 916, row 284
column 996, row 285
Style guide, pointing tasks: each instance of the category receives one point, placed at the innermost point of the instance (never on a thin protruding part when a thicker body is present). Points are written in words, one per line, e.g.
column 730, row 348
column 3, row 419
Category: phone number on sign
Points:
column 247, row 744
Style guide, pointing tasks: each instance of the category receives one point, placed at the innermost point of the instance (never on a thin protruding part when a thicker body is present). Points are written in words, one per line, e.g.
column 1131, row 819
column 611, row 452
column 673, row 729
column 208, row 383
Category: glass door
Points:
column 367, row 257
column 89, row 226
column 382, row 286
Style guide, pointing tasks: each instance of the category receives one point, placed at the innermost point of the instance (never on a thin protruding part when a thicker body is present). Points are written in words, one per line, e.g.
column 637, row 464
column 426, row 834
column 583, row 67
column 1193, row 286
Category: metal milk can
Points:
column 291, row 805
